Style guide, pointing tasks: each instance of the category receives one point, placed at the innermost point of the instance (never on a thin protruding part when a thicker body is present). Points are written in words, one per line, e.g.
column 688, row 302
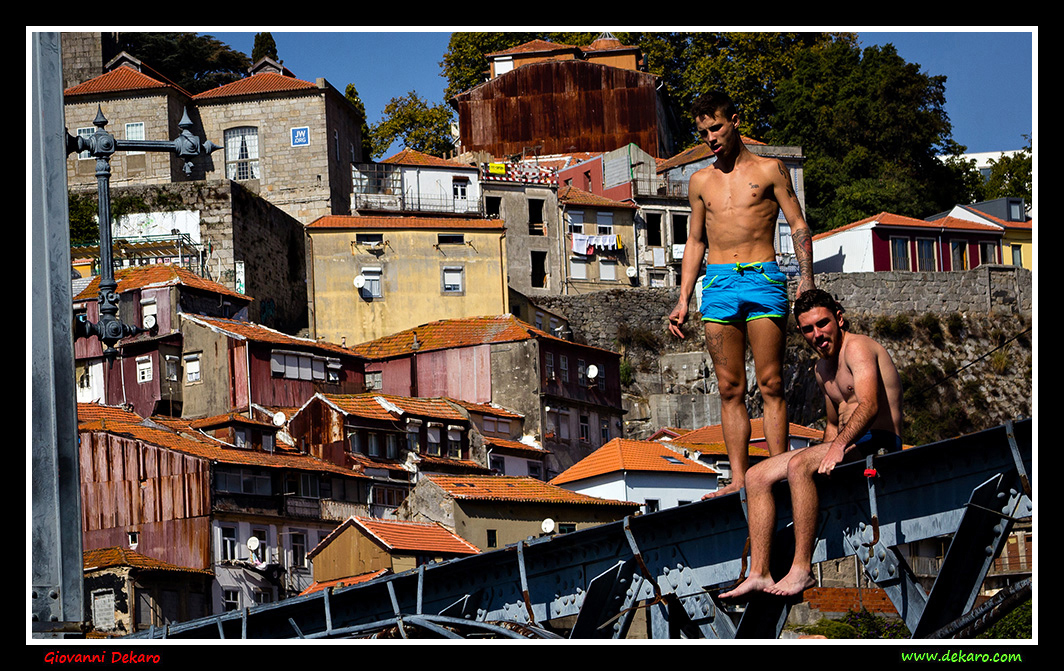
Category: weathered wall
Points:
column 944, row 331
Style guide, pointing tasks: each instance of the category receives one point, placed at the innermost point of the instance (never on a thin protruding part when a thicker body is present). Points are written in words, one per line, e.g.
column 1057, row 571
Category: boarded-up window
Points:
column 103, row 609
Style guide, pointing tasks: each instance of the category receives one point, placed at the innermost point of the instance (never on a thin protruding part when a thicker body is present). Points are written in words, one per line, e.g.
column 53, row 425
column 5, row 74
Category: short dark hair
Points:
column 710, row 102
column 817, row 298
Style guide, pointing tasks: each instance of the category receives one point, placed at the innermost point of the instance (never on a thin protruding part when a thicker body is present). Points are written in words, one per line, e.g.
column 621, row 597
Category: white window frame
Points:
column 242, row 153
column 608, row 270
column 144, row 369
column 578, row 268
column 605, row 223
column 192, row 369
column 135, row 131
column 372, row 288
column 452, row 280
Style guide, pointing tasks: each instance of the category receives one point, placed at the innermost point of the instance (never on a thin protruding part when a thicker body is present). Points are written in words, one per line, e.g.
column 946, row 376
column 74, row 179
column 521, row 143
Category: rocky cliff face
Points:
column 962, row 371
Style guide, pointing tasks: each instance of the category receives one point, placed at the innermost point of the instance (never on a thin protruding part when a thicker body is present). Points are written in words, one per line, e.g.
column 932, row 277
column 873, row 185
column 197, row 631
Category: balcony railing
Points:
column 660, row 187
column 432, row 204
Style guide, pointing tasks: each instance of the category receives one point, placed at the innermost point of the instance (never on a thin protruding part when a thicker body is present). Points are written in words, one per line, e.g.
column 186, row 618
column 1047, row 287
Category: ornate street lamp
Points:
column 101, row 145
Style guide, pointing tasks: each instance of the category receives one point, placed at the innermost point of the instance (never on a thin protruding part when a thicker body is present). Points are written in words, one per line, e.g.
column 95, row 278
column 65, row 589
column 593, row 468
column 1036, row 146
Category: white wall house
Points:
column 644, row 472
column 412, row 181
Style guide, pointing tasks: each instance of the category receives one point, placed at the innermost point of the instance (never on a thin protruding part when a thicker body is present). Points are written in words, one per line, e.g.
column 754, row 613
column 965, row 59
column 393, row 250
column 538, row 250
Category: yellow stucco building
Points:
column 372, row 276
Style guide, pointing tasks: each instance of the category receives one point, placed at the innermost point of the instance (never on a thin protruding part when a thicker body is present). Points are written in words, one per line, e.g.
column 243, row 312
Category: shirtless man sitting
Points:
column 734, row 202
column 862, row 394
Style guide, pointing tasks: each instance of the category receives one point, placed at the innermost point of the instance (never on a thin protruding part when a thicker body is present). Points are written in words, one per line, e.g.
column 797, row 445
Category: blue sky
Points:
column 990, row 75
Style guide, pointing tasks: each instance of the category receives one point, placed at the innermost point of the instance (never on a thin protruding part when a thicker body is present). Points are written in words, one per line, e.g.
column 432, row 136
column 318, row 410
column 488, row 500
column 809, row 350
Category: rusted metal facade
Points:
column 129, row 485
column 563, row 106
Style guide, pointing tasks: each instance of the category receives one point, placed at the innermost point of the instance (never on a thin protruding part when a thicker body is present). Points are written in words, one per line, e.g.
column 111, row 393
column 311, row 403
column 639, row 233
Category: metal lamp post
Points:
column 102, row 145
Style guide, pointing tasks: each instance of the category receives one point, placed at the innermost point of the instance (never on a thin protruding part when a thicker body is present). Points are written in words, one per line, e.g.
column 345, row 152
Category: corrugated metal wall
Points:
column 561, row 107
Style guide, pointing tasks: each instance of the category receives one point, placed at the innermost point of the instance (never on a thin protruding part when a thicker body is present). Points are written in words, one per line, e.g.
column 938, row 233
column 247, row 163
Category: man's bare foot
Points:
column 728, row 489
column 753, row 583
column 795, row 582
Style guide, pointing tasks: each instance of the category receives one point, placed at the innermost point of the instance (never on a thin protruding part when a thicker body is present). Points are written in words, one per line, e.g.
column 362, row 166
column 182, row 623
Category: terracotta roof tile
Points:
column 571, row 195
column 415, row 536
column 95, row 412
column 486, row 409
column 259, row 333
column 344, row 582
column 369, row 405
column 621, row 454
column 535, row 46
column 410, row 156
column 515, row 445
column 344, row 221
column 715, row 432
column 178, row 435
column 517, row 489
column 124, row 78
column 263, row 82
column 157, row 275
column 450, row 333
column 111, row 557
column 888, row 219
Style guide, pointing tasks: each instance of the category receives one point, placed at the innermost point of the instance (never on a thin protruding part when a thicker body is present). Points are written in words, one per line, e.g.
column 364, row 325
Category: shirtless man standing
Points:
column 734, row 203
column 862, row 394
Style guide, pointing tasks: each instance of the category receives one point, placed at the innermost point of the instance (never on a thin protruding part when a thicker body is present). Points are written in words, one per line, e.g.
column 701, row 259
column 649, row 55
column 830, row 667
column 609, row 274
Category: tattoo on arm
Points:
column 803, row 252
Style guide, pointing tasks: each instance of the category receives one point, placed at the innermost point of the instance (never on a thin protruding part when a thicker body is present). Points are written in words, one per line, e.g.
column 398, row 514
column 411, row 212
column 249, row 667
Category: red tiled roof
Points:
column 516, row 489
column 183, row 438
column 345, row 221
column 486, row 409
column 263, row 82
column 344, row 582
column 888, row 219
column 535, row 46
column 621, row 454
column 695, row 153
column 413, row 157
column 111, row 557
column 231, row 417
column 157, row 275
column 574, row 196
column 367, row 405
column 123, row 78
column 514, row 445
column 415, row 536
column 96, row 412
column 259, row 333
column 710, row 439
column 451, row 333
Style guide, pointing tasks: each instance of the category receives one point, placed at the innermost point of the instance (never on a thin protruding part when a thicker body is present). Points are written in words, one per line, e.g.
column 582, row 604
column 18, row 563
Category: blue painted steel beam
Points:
column 673, row 561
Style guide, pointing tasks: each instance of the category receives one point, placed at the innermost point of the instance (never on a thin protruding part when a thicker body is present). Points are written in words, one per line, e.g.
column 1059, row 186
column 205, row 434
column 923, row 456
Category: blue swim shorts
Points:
column 878, row 441
column 743, row 292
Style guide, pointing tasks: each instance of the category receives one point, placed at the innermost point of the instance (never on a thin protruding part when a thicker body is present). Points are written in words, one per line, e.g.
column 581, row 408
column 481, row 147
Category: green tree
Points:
column 464, row 64
column 194, row 62
column 416, row 124
column 871, row 127
column 265, row 47
column 351, row 93
column 1011, row 175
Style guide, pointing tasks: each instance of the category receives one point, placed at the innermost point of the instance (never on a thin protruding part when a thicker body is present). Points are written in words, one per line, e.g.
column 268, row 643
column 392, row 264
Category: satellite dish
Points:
column 631, row 271
column 592, row 372
column 149, row 321
column 253, row 543
column 547, row 526
column 279, row 419
column 360, row 281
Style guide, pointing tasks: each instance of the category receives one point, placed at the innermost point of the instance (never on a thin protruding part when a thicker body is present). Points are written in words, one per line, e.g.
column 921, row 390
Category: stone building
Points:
column 288, row 143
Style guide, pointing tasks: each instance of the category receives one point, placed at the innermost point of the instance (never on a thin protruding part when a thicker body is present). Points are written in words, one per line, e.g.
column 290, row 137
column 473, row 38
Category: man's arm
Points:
column 864, row 367
column 801, row 234
column 694, row 252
